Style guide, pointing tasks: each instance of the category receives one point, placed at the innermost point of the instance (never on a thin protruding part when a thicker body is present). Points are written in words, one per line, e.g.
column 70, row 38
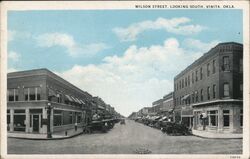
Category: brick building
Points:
column 168, row 106
column 29, row 94
column 208, row 93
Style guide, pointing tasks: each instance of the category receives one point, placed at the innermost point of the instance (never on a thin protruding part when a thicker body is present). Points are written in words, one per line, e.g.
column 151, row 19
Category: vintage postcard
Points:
column 125, row 79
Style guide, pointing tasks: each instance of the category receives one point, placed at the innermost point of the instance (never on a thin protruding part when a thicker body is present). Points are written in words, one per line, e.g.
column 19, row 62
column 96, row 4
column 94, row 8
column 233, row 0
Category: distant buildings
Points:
column 37, row 98
column 208, row 94
column 163, row 106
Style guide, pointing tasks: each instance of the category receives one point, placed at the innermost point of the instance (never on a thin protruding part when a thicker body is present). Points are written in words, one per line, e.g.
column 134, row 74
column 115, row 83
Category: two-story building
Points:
column 208, row 93
column 30, row 95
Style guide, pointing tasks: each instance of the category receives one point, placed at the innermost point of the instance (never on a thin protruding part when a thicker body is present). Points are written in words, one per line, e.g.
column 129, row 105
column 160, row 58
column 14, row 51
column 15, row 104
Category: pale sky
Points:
column 127, row 57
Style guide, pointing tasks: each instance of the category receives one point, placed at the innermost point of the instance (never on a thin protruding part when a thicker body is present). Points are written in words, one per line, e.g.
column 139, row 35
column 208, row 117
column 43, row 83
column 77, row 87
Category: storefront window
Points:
column 226, row 118
column 71, row 117
column 19, row 120
column 58, row 117
column 79, row 116
column 213, row 117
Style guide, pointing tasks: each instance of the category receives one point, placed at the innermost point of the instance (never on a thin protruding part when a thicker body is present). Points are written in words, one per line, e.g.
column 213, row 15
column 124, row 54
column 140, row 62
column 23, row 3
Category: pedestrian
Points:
column 76, row 126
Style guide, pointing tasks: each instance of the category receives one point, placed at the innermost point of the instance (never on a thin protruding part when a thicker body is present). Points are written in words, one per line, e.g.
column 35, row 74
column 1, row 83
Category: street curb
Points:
column 60, row 138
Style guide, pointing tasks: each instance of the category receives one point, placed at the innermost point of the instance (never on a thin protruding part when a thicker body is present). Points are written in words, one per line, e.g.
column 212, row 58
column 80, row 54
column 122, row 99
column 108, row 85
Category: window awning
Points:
column 186, row 97
column 82, row 101
column 170, row 110
column 52, row 93
column 69, row 98
column 78, row 101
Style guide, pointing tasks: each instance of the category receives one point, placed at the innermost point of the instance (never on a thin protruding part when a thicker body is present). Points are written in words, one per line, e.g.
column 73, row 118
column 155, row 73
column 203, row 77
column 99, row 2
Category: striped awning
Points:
column 69, row 98
column 82, row 101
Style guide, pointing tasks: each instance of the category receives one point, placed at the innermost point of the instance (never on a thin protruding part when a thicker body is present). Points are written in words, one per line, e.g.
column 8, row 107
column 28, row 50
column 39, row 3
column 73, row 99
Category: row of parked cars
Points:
column 165, row 124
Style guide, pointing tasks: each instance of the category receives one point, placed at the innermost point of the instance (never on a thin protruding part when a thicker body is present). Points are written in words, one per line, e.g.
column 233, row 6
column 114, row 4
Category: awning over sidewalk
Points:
column 185, row 97
column 52, row 93
column 69, row 98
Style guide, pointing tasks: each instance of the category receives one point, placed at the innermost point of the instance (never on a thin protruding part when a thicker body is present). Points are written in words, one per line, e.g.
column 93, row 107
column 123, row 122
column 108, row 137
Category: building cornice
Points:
column 216, row 101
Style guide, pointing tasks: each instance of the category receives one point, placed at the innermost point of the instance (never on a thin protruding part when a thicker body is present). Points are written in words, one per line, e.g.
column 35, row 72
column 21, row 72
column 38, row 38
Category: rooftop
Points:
column 205, row 55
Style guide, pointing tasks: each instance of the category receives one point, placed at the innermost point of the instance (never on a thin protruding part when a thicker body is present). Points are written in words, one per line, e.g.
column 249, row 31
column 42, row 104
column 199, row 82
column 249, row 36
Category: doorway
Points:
column 35, row 123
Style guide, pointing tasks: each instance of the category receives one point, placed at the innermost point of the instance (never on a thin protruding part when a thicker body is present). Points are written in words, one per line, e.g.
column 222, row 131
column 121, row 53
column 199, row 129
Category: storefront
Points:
column 223, row 116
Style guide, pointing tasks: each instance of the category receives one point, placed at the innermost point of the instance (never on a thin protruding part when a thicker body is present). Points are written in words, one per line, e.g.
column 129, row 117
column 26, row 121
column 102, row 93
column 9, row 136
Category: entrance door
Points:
column 35, row 123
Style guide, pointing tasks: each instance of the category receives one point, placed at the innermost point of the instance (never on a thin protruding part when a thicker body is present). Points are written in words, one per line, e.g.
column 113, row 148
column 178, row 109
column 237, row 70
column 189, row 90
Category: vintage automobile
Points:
column 122, row 122
column 175, row 129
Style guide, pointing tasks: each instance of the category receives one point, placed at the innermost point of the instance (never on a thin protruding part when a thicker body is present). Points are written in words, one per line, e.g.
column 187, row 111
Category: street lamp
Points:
column 49, row 108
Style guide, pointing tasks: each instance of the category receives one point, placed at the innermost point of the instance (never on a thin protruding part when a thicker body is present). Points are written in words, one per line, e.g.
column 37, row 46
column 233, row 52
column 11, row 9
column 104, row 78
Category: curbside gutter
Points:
column 57, row 138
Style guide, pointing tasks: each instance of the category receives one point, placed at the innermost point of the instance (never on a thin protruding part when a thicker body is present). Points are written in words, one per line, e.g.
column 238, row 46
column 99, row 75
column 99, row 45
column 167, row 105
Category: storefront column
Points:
column 194, row 121
column 27, row 120
column 52, row 121
column 11, row 119
column 235, row 127
column 220, row 120
column 44, row 116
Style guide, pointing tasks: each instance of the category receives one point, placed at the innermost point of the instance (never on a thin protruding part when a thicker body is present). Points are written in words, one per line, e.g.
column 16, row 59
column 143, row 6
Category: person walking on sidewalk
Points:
column 76, row 126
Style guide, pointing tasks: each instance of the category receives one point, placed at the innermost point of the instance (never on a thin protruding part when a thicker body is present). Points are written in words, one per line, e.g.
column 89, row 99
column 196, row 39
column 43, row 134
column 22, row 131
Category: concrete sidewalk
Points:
column 55, row 135
column 205, row 134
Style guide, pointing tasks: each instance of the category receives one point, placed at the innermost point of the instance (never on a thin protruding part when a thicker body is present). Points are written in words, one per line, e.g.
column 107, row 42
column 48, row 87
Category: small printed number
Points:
column 235, row 157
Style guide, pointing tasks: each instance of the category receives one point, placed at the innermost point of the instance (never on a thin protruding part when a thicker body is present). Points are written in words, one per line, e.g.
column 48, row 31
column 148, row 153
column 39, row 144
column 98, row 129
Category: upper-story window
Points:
column 196, row 96
column 201, row 73
column 192, row 77
column 226, row 66
column 241, row 65
column 226, row 89
column 32, row 93
column 182, row 83
column 193, row 97
column 185, row 81
column 12, row 94
column 214, row 91
column 208, row 69
column 196, row 75
column 214, row 66
column 188, row 80
column 201, row 95
column 208, row 93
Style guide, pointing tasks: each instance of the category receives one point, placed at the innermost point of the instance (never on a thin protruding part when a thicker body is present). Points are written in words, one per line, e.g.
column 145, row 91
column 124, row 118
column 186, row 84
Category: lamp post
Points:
column 49, row 108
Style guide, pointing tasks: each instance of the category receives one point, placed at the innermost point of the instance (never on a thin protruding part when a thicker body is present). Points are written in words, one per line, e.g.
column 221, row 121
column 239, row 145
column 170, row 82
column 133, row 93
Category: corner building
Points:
column 30, row 92
column 209, row 92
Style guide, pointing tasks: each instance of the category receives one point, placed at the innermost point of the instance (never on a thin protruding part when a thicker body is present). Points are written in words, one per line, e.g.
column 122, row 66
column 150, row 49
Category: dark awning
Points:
column 52, row 93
